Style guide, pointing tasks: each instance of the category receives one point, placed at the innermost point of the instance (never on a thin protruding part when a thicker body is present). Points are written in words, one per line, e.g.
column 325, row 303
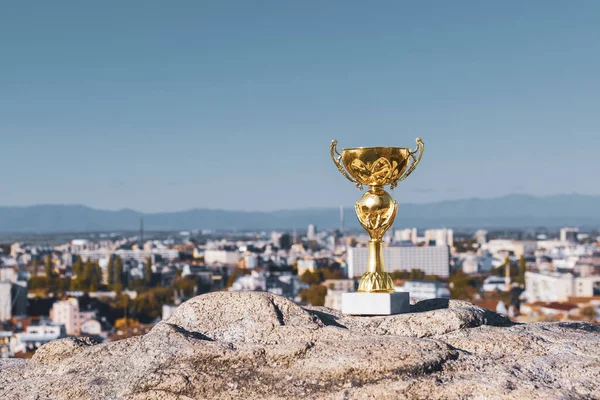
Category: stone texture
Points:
column 256, row 345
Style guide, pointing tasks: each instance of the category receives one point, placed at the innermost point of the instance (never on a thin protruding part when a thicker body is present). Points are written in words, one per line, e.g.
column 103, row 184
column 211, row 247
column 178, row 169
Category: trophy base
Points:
column 375, row 303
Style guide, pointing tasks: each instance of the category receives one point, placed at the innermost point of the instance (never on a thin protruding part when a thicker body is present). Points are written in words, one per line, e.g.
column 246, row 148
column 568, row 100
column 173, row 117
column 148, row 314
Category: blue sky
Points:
column 232, row 104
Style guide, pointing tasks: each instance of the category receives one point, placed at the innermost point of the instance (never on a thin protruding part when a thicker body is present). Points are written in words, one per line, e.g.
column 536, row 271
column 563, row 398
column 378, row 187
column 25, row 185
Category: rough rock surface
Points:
column 257, row 345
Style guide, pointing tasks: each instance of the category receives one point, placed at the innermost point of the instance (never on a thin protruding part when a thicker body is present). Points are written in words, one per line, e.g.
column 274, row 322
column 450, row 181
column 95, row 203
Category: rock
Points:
column 257, row 345
column 61, row 349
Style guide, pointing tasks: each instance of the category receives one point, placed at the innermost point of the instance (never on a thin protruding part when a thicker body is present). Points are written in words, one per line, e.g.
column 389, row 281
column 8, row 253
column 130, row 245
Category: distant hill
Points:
column 508, row 211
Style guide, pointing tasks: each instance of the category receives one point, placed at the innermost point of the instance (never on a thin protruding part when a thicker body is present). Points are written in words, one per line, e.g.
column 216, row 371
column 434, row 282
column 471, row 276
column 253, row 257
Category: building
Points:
column 19, row 298
column 225, row 257
column 439, row 237
column 167, row 311
column 311, row 232
column 7, row 273
column 335, row 289
column 333, row 298
column 423, row 290
column 406, row 235
column 5, row 300
column 346, row 285
column 557, row 287
column 250, row 260
column 125, row 255
column 481, row 236
column 432, row 260
column 306, row 265
column 66, row 312
column 91, row 327
column 286, row 285
column 36, row 335
column 470, row 264
column 493, row 283
column 256, row 281
column 569, row 234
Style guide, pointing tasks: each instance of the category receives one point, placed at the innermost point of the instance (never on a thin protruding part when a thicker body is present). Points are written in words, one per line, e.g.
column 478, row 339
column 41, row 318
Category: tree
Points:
column 462, row 286
column 311, row 278
column 588, row 312
column 522, row 269
column 110, row 269
column 400, row 275
column 91, row 278
column 119, row 279
column 78, row 266
column 148, row 271
column 49, row 267
column 147, row 306
column 315, row 295
column 416, row 275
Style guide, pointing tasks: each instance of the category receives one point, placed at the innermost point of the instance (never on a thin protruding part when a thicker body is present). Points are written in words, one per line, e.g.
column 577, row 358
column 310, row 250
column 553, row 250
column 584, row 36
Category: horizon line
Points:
column 287, row 209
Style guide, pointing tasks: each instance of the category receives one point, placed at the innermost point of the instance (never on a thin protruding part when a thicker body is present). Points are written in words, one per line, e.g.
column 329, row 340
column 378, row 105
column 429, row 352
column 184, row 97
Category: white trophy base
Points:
column 356, row 303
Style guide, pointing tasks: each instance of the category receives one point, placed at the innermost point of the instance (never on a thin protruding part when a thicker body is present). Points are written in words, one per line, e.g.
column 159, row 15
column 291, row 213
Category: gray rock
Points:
column 257, row 345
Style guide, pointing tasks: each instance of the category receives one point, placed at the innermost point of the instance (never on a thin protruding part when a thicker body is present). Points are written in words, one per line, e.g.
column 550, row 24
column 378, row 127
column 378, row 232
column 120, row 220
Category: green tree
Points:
column 110, row 269
column 315, row 295
column 522, row 269
column 49, row 267
column 462, row 286
column 147, row 306
column 400, row 275
column 416, row 275
column 148, row 271
column 311, row 278
column 78, row 266
column 118, row 275
column 91, row 278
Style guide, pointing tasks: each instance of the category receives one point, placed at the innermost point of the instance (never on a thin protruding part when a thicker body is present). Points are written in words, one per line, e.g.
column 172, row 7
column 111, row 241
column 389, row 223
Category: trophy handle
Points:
column 337, row 161
column 415, row 162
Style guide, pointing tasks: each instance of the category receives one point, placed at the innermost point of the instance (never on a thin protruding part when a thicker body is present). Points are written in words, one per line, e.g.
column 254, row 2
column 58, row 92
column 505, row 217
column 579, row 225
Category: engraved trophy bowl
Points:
column 376, row 167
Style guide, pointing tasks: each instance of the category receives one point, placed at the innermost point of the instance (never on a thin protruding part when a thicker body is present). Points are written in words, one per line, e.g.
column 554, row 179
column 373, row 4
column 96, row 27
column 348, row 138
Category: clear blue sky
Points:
column 157, row 105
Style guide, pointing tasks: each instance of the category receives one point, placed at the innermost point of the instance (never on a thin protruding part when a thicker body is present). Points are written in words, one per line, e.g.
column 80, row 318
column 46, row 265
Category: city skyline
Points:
column 212, row 106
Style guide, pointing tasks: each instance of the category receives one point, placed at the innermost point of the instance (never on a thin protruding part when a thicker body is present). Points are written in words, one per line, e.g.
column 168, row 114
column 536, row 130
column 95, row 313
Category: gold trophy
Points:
column 376, row 167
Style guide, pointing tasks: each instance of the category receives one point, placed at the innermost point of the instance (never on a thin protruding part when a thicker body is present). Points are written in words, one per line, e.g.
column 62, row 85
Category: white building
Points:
column 306, row 265
column 311, row 232
column 221, row 257
column 36, row 336
column 406, row 235
column 481, row 236
column 433, row 260
column 333, row 298
column 167, row 311
column 423, row 290
column 554, row 286
column 136, row 254
column 5, row 300
column 470, row 264
column 569, row 234
column 493, row 283
column 91, row 327
column 440, row 237
column 256, row 281
column 250, row 260
column 66, row 312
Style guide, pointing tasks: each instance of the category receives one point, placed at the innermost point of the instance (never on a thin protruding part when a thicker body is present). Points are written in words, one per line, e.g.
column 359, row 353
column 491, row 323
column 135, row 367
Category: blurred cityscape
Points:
column 108, row 286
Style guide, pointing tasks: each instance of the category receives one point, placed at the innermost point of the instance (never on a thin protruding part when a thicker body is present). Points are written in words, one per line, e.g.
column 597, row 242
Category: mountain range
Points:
column 516, row 211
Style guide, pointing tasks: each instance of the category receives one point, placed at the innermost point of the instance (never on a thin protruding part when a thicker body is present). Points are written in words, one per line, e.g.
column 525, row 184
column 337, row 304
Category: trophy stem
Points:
column 376, row 279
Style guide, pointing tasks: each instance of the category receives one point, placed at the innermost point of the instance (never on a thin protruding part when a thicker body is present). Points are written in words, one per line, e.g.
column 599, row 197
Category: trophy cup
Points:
column 376, row 167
